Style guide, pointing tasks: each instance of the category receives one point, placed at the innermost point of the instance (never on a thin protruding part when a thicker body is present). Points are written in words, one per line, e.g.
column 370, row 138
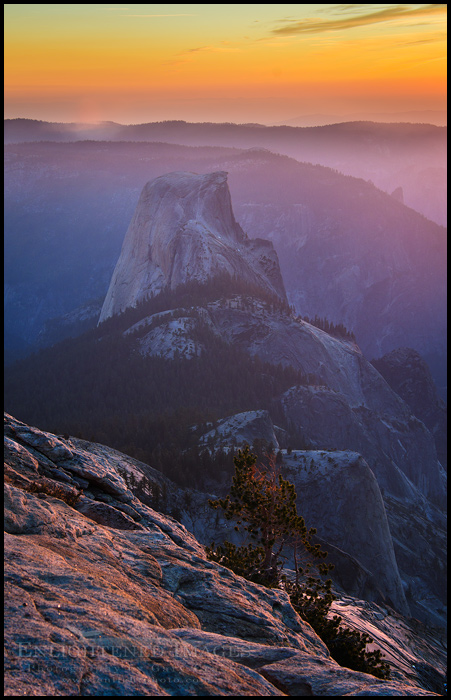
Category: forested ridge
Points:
column 190, row 294
column 99, row 387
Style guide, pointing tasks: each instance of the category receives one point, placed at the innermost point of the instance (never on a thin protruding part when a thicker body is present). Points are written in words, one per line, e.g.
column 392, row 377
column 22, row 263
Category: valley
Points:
column 236, row 298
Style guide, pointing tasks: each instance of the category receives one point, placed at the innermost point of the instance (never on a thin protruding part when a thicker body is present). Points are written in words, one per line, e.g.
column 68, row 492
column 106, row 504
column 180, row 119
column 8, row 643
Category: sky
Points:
column 241, row 63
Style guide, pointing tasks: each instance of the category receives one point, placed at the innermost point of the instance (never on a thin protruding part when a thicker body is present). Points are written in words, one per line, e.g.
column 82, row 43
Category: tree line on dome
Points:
column 191, row 294
column 338, row 330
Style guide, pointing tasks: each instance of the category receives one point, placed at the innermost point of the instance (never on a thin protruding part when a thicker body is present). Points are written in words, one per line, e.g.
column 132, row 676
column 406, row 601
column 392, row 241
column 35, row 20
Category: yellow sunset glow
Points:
column 196, row 61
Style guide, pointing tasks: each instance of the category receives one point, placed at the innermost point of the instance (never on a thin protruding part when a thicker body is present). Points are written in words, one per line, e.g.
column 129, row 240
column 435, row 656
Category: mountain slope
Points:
column 219, row 345
column 392, row 155
column 350, row 253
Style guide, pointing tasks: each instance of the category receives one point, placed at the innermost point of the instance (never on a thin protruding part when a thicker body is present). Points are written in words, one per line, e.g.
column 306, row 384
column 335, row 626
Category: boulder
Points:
column 241, row 429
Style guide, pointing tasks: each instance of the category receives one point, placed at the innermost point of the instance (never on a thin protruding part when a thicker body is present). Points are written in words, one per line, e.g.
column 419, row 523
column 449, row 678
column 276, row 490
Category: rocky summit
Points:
column 184, row 229
column 106, row 595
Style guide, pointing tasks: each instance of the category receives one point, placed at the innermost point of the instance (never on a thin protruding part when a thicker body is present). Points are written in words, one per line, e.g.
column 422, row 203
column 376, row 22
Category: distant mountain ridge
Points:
column 407, row 155
column 430, row 116
column 22, row 129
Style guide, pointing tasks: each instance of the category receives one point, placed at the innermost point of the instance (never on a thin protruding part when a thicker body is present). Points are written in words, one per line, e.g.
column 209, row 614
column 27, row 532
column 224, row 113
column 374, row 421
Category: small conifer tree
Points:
column 263, row 504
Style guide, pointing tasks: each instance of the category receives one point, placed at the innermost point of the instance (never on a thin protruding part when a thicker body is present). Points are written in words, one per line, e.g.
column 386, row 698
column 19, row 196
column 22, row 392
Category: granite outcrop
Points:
column 184, row 229
column 345, row 403
column 96, row 606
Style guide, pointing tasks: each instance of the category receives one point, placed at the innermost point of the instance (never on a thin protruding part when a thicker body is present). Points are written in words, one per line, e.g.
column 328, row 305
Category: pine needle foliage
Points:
column 263, row 504
column 348, row 647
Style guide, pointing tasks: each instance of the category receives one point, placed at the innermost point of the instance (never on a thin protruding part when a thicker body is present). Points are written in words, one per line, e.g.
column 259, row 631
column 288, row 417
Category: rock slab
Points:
column 96, row 609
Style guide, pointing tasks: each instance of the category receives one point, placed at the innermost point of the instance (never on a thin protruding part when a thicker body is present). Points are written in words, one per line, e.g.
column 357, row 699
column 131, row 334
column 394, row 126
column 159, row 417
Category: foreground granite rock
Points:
column 98, row 606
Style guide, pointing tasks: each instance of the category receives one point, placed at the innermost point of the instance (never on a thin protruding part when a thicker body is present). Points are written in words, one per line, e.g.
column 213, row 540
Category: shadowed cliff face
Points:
column 366, row 266
column 184, row 229
column 106, row 595
column 409, row 376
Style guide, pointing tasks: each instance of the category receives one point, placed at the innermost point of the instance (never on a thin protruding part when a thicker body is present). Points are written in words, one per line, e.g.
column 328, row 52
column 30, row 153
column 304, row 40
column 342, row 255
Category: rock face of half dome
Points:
column 184, row 229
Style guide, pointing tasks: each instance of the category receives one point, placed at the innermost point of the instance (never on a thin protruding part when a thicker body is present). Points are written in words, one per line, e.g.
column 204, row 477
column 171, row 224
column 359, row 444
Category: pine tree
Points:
column 263, row 504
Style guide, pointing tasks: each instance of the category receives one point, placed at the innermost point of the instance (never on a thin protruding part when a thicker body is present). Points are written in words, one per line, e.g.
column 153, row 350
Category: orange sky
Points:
column 260, row 63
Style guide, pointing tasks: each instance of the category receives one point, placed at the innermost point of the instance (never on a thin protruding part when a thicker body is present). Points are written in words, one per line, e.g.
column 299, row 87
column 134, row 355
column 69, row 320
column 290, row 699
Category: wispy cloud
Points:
column 185, row 56
column 389, row 13
column 431, row 39
column 181, row 14
column 347, row 8
column 171, row 14
column 343, row 9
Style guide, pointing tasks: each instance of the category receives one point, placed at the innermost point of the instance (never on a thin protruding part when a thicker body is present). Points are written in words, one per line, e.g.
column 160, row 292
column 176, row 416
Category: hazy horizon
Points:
column 434, row 117
column 265, row 64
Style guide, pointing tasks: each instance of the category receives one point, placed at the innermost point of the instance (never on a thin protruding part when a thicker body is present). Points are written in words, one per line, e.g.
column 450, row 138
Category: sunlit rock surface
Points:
column 98, row 606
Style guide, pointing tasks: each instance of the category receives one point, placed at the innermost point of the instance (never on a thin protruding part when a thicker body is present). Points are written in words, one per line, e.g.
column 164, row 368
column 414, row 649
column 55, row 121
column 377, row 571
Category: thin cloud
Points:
column 185, row 56
column 433, row 39
column 316, row 26
column 172, row 14
column 211, row 49
column 195, row 50
column 182, row 14
column 345, row 8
